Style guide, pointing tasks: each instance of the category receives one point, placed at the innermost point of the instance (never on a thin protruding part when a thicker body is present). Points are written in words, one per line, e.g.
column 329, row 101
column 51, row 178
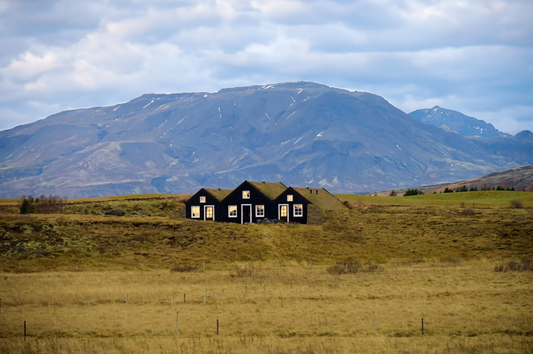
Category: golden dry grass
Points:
column 444, row 256
column 467, row 307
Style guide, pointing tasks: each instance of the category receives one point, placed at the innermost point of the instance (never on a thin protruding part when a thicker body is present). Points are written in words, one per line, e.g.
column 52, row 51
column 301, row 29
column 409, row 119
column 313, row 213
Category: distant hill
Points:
column 456, row 121
column 302, row 133
column 519, row 178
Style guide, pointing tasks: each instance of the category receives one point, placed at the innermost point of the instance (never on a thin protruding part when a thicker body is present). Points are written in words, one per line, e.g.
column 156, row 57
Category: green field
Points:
column 482, row 198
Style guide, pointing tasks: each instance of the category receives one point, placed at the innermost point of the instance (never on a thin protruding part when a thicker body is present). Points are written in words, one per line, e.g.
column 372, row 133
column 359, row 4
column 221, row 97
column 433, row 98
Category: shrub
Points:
column 392, row 193
column 462, row 189
column 25, row 208
column 448, row 190
column 473, row 189
column 500, row 188
column 468, row 211
column 516, row 204
column 345, row 267
column 413, row 191
column 523, row 265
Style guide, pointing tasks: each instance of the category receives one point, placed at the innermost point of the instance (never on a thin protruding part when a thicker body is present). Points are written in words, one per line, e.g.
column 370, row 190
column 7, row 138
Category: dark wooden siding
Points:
column 209, row 200
column 297, row 199
column 256, row 198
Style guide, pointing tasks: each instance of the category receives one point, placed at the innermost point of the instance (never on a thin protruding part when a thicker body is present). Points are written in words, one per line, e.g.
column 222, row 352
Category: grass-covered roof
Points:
column 271, row 190
column 219, row 194
column 323, row 199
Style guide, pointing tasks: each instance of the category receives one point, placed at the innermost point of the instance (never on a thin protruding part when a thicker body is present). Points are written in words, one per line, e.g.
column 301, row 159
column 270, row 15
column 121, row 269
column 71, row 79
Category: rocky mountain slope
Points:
column 456, row 121
column 298, row 133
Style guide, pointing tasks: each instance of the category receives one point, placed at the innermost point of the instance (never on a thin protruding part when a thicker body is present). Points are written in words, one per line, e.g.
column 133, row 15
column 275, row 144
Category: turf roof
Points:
column 271, row 190
column 324, row 199
column 219, row 194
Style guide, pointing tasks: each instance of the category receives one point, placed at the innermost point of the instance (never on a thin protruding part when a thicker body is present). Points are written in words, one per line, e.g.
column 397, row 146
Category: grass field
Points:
column 466, row 307
column 434, row 261
column 482, row 198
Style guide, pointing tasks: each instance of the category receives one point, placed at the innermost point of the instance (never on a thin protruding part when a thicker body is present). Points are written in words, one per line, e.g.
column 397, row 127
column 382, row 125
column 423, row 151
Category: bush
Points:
column 345, row 267
column 462, row 189
column 392, row 193
column 468, row 211
column 473, row 189
column 413, row 191
column 516, row 204
column 448, row 190
column 521, row 266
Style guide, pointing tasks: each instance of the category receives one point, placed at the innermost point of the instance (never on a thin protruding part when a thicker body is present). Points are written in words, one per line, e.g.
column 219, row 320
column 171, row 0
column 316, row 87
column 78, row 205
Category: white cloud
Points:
column 471, row 56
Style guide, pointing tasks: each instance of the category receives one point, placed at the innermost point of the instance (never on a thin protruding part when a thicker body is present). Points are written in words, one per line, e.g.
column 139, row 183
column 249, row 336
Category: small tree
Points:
column 500, row 188
column 392, row 193
column 473, row 189
column 462, row 189
column 25, row 208
column 448, row 190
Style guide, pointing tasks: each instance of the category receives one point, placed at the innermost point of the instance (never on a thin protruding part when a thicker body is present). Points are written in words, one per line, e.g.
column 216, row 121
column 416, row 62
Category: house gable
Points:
column 248, row 203
column 296, row 206
column 195, row 207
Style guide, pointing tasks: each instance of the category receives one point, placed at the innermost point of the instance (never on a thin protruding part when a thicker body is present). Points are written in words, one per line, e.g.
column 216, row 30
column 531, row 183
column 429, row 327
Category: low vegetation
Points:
column 86, row 282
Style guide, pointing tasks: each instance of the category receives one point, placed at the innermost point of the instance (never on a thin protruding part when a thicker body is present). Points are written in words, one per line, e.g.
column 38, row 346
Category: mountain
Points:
column 456, row 121
column 299, row 133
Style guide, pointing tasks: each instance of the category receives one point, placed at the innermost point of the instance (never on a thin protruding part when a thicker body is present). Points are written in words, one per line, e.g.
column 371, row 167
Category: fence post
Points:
column 49, row 303
column 217, row 326
column 245, row 291
column 422, row 326
column 89, row 302
column 373, row 322
column 205, row 296
column 177, row 324
column 126, row 300
column 184, row 297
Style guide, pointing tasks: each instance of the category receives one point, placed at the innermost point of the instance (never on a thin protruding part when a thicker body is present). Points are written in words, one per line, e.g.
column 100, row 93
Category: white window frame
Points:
column 245, row 194
column 290, row 197
column 202, row 199
column 294, row 211
column 236, row 211
column 257, row 209
column 205, row 211
column 192, row 213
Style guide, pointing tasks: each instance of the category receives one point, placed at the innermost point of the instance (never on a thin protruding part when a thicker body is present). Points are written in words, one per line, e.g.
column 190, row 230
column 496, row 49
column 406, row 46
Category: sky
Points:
column 472, row 56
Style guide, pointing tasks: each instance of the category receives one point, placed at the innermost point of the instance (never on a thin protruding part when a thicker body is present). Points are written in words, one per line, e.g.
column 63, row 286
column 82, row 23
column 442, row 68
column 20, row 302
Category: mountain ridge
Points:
column 300, row 133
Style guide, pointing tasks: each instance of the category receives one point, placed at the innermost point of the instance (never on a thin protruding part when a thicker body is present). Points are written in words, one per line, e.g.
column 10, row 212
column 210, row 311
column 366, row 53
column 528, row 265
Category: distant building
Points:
column 254, row 202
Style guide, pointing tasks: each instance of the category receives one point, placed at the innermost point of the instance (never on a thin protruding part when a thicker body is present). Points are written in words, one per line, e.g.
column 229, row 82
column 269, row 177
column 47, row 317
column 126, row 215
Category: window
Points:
column 298, row 210
column 259, row 211
column 195, row 212
column 245, row 194
column 232, row 211
column 282, row 211
column 202, row 199
column 289, row 197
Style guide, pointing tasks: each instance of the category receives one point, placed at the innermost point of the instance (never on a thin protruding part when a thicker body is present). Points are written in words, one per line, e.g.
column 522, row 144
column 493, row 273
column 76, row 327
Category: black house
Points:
column 252, row 202
column 206, row 204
